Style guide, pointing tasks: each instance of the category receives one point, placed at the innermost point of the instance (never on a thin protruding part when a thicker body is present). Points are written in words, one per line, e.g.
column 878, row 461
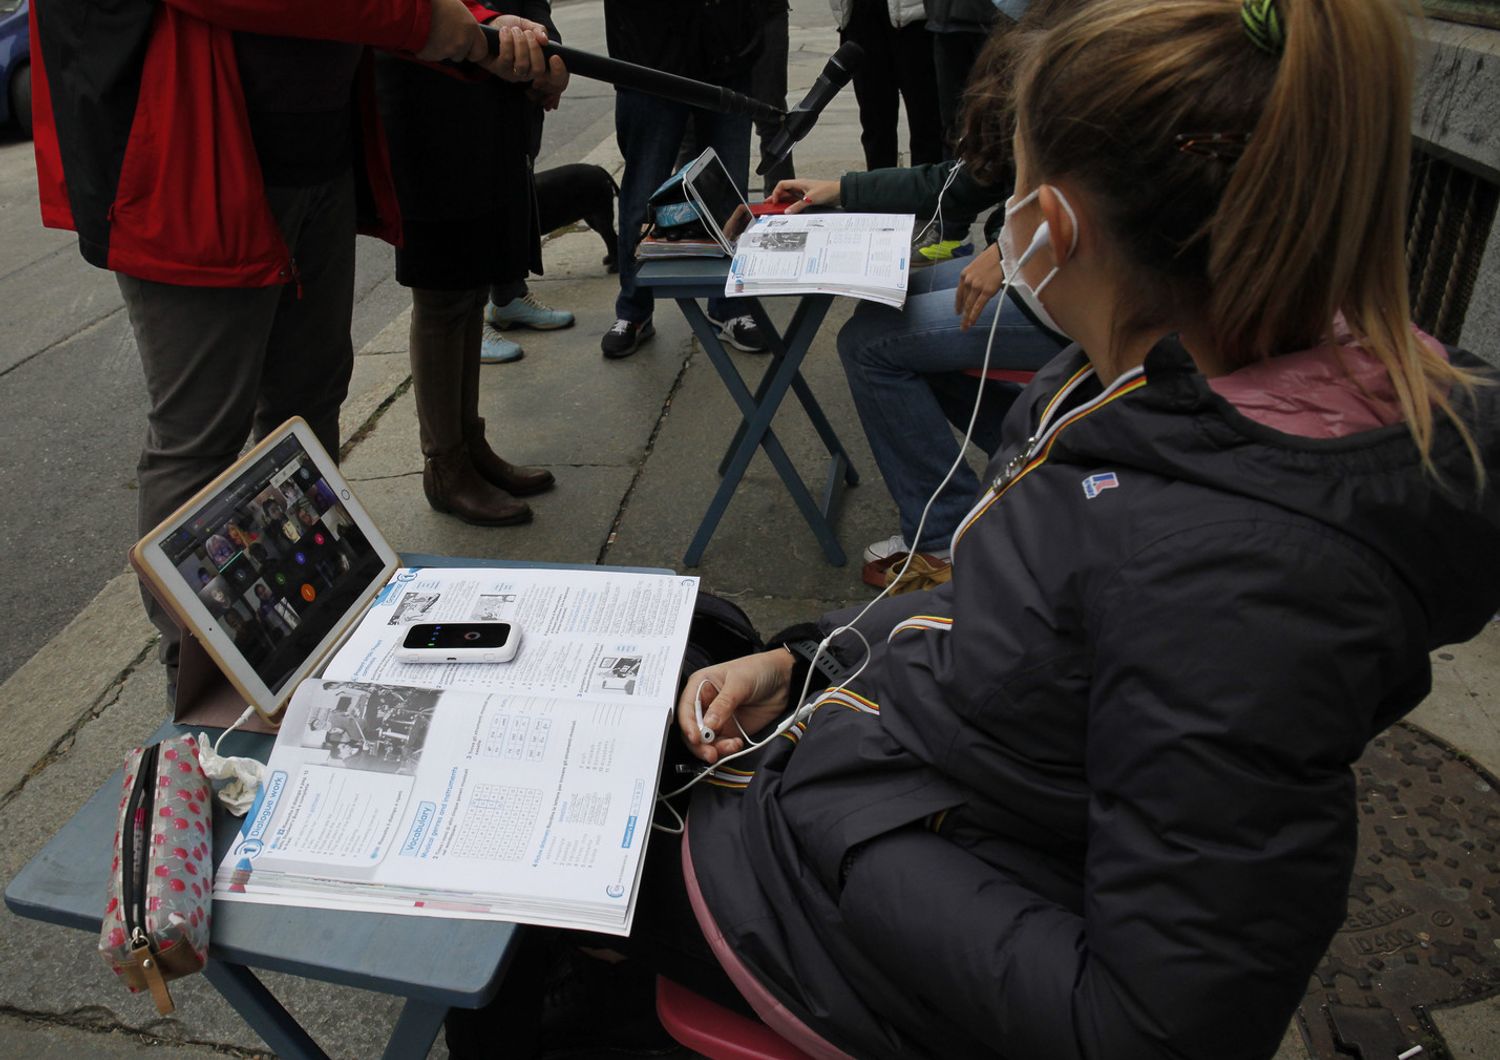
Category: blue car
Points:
column 15, row 65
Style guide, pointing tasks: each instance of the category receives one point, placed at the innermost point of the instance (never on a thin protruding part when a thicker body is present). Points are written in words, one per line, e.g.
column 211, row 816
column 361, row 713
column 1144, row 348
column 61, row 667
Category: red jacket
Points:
column 143, row 141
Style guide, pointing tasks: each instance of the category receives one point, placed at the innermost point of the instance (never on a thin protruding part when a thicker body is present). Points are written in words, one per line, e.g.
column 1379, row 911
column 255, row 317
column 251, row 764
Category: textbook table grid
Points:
column 686, row 280
column 434, row 963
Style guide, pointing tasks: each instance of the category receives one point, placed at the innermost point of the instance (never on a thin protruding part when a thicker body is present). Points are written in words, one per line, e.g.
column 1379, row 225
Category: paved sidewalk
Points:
column 633, row 444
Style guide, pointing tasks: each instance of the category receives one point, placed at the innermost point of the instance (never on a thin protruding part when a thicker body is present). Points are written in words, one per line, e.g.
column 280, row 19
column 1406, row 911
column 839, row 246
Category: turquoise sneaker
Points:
column 526, row 312
column 497, row 349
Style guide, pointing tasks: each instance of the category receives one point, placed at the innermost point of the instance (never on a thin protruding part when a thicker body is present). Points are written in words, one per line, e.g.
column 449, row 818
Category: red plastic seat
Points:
column 716, row 1032
column 1003, row 375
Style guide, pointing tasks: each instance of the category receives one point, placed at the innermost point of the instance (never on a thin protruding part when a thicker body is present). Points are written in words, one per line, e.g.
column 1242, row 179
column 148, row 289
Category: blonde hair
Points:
column 1258, row 177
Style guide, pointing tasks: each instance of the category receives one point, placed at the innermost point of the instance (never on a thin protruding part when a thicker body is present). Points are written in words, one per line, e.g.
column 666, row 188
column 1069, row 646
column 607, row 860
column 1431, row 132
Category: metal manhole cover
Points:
column 1424, row 904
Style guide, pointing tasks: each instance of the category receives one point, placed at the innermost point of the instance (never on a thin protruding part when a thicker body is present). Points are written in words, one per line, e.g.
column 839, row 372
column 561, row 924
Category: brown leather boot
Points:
column 518, row 481
column 454, row 486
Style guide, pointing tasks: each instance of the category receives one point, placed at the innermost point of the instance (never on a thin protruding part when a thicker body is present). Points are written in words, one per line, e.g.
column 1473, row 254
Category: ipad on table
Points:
column 267, row 569
column 720, row 206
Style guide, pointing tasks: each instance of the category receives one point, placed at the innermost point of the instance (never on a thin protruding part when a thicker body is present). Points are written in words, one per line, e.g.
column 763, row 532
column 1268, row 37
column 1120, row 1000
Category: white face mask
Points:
column 1012, row 259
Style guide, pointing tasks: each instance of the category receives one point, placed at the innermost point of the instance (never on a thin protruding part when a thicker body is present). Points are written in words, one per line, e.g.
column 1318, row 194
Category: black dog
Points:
column 568, row 194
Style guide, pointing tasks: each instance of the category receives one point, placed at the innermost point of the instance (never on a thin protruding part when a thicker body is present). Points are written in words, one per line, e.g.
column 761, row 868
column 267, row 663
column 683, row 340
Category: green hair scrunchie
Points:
column 1263, row 25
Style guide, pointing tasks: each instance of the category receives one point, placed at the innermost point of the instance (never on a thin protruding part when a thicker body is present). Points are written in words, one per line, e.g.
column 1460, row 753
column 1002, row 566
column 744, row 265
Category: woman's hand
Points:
column 453, row 35
column 520, row 57
column 752, row 690
column 804, row 193
column 981, row 279
column 547, row 89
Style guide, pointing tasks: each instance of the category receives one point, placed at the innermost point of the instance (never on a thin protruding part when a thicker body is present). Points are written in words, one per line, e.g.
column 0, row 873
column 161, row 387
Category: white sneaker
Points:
column 896, row 545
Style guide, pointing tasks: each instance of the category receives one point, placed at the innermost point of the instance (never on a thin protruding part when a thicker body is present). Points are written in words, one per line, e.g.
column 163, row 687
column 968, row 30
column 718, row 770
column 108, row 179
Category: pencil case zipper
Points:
column 135, row 861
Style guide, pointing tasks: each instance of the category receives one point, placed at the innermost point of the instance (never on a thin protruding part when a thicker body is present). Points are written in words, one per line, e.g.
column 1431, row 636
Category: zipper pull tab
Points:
column 145, row 960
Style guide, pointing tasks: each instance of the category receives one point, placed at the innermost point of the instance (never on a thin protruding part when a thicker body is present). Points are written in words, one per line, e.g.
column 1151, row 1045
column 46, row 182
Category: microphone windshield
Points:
column 843, row 63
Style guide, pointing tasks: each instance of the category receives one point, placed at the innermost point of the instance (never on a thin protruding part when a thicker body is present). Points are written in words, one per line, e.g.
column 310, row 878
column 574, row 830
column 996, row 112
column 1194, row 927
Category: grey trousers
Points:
column 222, row 363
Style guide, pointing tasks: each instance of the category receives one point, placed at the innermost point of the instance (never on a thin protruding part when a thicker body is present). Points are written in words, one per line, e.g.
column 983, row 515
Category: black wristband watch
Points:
column 802, row 642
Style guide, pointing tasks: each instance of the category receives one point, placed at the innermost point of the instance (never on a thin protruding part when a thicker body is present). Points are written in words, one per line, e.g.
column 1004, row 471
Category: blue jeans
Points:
column 650, row 131
column 905, row 370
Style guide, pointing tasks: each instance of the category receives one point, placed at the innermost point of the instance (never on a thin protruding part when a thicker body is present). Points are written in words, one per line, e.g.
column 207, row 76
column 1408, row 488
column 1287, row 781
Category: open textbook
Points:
column 861, row 255
column 516, row 791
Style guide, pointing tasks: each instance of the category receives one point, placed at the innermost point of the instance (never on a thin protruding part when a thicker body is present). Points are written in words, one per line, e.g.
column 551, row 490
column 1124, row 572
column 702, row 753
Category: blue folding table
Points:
column 435, row 963
column 686, row 280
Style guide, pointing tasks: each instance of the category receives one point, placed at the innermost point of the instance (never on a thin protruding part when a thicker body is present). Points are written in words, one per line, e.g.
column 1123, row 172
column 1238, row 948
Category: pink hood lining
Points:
column 1331, row 391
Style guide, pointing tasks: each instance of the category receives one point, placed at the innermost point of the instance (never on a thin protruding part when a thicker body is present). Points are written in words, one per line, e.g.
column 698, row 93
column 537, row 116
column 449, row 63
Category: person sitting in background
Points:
column 1093, row 797
column 906, row 367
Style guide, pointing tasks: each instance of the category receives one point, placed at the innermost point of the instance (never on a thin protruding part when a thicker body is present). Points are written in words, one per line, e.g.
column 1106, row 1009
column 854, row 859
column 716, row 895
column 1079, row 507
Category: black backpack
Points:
column 720, row 632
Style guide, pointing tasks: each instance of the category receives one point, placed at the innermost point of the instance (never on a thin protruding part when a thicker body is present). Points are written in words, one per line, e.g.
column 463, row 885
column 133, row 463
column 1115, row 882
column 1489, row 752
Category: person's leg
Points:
column 729, row 136
column 201, row 350
column 953, row 57
column 692, row 142
column 649, row 131
column 768, row 84
column 215, row 358
column 503, row 293
column 912, row 52
column 309, row 354
column 874, row 89
column 887, row 354
column 437, row 341
column 588, row 994
column 495, row 348
column 511, row 479
column 512, row 305
column 956, row 391
column 444, row 344
column 514, row 1017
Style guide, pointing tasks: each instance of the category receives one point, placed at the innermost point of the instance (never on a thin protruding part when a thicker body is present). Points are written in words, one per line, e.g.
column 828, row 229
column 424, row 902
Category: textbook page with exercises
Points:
column 517, row 791
column 860, row 255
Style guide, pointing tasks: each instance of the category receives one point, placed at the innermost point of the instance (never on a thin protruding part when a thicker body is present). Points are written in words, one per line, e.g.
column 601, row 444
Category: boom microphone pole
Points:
column 794, row 126
column 652, row 82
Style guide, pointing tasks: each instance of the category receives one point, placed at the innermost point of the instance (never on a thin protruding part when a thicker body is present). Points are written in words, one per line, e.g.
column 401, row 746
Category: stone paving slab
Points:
column 64, row 681
column 46, row 1040
column 681, row 478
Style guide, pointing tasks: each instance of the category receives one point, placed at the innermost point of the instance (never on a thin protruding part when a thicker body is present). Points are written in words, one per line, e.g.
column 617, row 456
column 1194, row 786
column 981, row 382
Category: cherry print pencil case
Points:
column 161, row 881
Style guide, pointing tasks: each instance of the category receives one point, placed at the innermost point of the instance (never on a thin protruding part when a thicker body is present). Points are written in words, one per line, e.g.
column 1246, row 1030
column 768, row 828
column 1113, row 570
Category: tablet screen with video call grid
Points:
column 275, row 555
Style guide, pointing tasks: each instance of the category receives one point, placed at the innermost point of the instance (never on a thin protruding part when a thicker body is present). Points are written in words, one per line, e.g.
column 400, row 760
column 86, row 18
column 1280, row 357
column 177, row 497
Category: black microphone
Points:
column 799, row 122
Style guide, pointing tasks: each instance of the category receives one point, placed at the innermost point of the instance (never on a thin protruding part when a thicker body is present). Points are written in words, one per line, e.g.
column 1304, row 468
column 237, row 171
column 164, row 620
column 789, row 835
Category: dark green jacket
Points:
column 915, row 190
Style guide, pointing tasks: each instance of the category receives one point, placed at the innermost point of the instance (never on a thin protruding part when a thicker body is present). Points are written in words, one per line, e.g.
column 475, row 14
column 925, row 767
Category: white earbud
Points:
column 1043, row 238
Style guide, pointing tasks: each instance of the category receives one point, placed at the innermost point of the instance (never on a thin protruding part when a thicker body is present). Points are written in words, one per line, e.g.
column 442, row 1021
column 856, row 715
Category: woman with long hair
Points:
column 1093, row 797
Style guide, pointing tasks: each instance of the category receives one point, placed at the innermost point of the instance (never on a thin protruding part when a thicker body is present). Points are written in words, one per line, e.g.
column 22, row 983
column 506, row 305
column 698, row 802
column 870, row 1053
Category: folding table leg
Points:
column 759, row 398
column 804, row 326
column 416, row 1030
column 806, row 319
column 259, row 1008
column 757, row 433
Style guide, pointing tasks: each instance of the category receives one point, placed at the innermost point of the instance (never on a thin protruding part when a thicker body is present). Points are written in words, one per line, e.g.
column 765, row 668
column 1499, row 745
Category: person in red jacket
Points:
column 218, row 156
